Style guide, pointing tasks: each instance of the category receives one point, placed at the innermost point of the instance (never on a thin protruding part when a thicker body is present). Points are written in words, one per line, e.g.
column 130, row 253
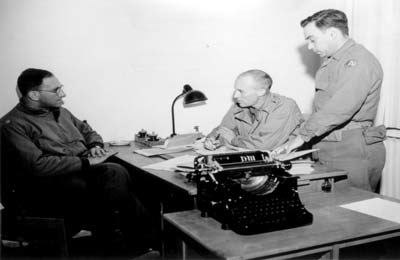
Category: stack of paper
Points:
column 301, row 167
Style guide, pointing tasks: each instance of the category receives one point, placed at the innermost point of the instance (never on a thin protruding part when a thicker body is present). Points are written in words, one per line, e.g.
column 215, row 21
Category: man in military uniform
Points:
column 59, row 168
column 259, row 119
column 348, row 85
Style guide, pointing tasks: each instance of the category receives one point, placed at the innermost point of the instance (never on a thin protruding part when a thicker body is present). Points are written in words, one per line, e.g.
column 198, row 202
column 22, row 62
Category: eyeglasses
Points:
column 59, row 90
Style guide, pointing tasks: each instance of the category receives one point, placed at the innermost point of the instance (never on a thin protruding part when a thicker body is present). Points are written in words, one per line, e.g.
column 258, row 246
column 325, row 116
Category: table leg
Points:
column 333, row 254
column 183, row 249
column 162, row 246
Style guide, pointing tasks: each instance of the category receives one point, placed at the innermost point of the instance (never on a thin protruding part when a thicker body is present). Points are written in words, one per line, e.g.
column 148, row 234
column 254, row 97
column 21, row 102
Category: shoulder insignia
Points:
column 351, row 63
column 7, row 121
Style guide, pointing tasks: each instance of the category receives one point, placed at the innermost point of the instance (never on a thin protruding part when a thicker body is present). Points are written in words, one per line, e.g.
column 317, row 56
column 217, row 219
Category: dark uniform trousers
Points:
column 101, row 198
column 363, row 160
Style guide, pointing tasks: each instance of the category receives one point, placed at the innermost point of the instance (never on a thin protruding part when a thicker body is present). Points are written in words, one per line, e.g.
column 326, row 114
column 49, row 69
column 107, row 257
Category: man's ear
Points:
column 261, row 92
column 33, row 95
column 333, row 32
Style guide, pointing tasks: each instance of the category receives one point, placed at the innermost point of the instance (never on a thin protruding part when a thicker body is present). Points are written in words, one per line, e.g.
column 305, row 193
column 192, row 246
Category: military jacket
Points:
column 274, row 123
column 348, row 85
column 45, row 143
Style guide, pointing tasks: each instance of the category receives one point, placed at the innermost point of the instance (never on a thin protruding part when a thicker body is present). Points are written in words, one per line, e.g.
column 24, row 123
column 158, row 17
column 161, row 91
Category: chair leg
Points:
column 30, row 228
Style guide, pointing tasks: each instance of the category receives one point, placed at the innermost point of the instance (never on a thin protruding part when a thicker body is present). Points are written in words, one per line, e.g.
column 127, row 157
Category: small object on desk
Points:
column 152, row 137
column 142, row 133
column 149, row 140
column 120, row 143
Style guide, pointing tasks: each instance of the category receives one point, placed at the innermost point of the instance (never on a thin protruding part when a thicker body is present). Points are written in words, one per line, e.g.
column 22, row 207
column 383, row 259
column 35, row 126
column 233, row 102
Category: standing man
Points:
column 59, row 168
column 259, row 119
column 348, row 85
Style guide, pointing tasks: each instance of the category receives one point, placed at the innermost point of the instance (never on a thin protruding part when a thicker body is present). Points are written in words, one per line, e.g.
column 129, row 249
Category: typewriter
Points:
column 248, row 192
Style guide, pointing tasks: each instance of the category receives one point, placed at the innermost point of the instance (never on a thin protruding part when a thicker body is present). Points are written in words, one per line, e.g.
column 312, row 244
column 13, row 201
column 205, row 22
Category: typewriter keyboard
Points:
column 266, row 213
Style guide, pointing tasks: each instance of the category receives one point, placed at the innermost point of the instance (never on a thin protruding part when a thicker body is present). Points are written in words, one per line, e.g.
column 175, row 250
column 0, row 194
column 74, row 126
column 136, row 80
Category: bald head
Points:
column 250, row 88
column 259, row 77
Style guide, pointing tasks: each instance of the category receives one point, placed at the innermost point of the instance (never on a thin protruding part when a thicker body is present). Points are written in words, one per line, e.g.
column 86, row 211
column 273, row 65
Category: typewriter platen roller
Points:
column 248, row 192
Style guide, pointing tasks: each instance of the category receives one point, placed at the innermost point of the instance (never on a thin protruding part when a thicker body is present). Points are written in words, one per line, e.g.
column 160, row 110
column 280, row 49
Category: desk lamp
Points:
column 191, row 97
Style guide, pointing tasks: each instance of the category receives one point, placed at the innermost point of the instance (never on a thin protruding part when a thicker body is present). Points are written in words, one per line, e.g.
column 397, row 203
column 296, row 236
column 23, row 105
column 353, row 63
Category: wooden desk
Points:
column 179, row 183
column 171, row 192
column 333, row 228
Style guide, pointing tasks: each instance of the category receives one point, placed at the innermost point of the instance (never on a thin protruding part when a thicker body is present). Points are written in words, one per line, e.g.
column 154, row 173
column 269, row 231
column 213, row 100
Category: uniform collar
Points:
column 270, row 103
column 26, row 108
column 342, row 50
column 339, row 53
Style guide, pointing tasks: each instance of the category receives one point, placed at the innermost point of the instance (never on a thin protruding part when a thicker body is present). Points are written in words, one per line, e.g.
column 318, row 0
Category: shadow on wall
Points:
column 310, row 60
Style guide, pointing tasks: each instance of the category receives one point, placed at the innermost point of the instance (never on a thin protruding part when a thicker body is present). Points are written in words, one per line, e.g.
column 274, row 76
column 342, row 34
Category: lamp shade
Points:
column 190, row 97
column 194, row 96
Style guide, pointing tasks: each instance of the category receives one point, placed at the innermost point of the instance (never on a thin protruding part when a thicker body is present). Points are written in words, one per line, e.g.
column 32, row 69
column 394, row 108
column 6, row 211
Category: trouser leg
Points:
column 65, row 197
column 111, row 184
column 363, row 163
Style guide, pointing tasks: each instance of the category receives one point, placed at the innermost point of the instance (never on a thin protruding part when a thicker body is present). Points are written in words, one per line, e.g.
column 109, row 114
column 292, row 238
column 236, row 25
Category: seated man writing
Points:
column 259, row 119
column 59, row 165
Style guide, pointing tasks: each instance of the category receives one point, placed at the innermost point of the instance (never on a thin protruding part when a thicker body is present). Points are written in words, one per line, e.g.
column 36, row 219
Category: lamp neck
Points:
column 173, row 113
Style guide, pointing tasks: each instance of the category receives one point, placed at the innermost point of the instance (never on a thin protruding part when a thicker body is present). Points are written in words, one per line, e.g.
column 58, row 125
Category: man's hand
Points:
column 212, row 142
column 289, row 146
column 97, row 151
column 93, row 160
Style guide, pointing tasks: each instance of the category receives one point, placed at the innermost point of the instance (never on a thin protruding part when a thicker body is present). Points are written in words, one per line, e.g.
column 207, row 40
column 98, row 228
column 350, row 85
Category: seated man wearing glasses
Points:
column 60, row 168
column 259, row 119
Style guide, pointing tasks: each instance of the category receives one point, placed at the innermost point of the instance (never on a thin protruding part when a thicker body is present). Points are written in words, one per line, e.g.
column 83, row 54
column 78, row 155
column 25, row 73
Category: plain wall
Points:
column 123, row 61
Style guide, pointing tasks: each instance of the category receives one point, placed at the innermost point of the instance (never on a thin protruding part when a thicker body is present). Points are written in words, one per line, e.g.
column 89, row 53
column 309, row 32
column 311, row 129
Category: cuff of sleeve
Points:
column 90, row 146
column 305, row 138
column 306, row 135
column 85, row 163
column 237, row 141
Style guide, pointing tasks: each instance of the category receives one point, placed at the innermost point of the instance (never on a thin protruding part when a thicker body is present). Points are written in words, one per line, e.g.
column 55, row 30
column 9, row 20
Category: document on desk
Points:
column 377, row 207
column 301, row 167
column 292, row 155
column 181, row 163
column 154, row 151
column 223, row 149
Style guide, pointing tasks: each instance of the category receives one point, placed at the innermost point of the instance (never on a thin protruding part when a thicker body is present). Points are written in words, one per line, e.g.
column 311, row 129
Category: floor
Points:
column 82, row 248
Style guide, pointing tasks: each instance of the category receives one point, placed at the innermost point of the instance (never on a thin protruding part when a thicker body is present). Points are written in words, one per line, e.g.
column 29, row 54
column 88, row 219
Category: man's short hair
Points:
column 259, row 76
column 328, row 18
column 31, row 79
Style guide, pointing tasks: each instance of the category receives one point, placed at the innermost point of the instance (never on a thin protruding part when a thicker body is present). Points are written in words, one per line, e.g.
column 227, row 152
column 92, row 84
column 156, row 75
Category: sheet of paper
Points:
column 159, row 151
column 222, row 149
column 292, row 155
column 181, row 140
column 377, row 207
column 172, row 164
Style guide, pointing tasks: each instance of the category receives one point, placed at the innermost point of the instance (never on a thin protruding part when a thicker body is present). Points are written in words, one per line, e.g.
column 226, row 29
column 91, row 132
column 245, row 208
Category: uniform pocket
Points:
column 374, row 134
